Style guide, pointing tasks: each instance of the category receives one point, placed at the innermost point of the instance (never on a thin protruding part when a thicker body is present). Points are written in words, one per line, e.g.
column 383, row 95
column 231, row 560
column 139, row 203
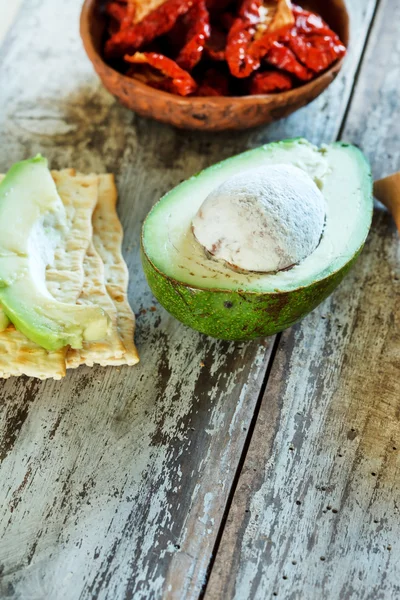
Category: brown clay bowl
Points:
column 211, row 113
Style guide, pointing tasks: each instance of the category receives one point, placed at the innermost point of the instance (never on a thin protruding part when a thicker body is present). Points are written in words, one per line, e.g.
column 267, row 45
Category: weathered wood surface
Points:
column 113, row 483
column 316, row 510
column 8, row 12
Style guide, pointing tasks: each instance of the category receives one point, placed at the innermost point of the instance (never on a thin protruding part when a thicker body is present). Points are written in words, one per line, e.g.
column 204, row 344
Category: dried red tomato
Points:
column 317, row 52
column 269, row 82
column 169, row 76
column 116, row 10
column 122, row 13
column 307, row 22
column 198, row 31
column 240, row 37
column 259, row 24
column 213, row 83
column 282, row 57
column 158, row 22
column 147, row 75
column 313, row 42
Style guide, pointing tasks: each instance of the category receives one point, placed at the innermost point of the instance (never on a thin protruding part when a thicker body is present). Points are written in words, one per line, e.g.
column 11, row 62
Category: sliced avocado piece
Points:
column 32, row 218
column 210, row 297
column 4, row 320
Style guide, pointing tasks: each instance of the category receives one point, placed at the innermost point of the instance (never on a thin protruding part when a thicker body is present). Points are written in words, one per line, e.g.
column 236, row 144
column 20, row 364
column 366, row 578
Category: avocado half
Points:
column 212, row 298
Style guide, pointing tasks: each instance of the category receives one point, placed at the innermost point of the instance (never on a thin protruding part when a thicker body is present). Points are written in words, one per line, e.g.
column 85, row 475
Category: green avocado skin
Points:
column 239, row 315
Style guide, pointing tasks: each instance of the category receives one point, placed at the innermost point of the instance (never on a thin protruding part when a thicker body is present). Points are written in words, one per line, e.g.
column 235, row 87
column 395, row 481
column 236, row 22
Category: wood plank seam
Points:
column 359, row 68
column 241, row 462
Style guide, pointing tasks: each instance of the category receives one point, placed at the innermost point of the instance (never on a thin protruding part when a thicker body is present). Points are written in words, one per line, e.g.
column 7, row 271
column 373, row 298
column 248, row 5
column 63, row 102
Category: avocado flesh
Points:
column 32, row 218
column 4, row 320
column 215, row 300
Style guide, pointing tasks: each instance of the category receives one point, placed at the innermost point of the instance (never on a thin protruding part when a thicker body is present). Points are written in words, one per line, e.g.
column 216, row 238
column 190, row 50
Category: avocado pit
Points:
column 265, row 220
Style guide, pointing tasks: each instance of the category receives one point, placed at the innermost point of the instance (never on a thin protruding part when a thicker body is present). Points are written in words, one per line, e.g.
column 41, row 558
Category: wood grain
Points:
column 113, row 483
column 316, row 510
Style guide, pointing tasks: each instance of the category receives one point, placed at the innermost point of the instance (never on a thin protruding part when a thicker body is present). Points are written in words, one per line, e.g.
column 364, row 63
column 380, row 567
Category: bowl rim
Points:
column 220, row 101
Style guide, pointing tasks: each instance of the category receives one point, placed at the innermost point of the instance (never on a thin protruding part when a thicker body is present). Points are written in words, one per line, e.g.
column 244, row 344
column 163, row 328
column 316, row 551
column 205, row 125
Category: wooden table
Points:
column 214, row 470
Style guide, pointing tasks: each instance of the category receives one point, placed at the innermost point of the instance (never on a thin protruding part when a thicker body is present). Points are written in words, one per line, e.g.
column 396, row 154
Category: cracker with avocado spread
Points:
column 88, row 269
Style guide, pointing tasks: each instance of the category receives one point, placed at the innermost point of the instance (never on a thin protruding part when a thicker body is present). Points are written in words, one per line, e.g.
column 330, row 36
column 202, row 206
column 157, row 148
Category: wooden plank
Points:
column 316, row 510
column 113, row 483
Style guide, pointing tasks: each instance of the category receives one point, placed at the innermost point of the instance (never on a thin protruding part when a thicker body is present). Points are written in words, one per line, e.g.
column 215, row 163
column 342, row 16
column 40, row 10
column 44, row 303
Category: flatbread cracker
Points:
column 94, row 292
column 107, row 239
column 79, row 194
column 106, row 282
column 20, row 356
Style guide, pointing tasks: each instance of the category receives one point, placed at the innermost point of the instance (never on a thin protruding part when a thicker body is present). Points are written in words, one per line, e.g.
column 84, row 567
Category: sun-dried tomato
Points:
column 269, row 82
column 198, row 31
column 274, row 15
column 283, row 58
column 259, row 24
column 213, row 83
column 157, row 23
column 317, row 52
column 307, row 22
column 313, row 41
column 147, row 75
column 216, row 44
column 116, row 10
column 122, row 13
column 176, row 80
column 240, row 37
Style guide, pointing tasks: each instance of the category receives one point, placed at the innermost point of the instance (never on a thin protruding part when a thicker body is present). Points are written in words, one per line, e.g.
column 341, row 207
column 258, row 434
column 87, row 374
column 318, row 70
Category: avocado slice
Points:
column 210, row 297
column 32, row 220
column 4, row 320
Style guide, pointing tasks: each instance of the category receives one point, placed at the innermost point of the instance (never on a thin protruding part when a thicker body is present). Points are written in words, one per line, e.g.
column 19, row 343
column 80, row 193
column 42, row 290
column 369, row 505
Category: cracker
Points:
column 107, row 239
column 106, row 284
column 18, row 354
column 94, row 292
column 79, row 194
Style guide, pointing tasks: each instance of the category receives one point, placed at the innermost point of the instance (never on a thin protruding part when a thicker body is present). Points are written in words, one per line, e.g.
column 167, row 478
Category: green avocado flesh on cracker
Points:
column 32, row 221
column 213, row 298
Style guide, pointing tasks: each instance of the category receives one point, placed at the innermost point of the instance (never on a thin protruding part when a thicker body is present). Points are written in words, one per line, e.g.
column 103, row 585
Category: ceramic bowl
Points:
column 209, row 113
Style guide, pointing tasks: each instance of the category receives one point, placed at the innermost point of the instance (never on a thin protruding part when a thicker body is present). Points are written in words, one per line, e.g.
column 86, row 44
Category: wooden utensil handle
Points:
column 387, row 191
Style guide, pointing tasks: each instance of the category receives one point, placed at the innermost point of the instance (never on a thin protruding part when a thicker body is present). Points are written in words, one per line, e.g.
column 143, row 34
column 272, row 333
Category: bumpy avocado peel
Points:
column 238, row 315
